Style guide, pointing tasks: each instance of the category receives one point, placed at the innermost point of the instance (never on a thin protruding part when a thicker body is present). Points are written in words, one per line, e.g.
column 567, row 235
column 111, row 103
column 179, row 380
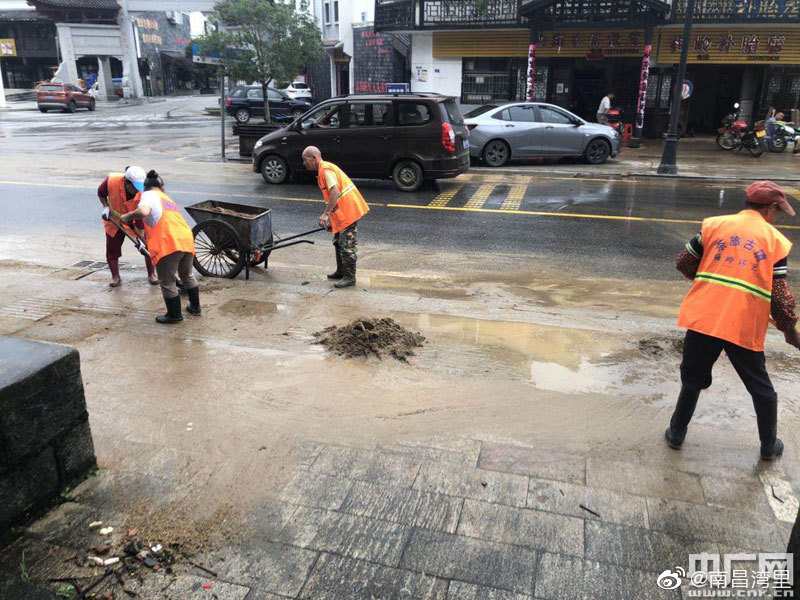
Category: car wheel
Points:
column 496, row 153
column 91, row 105
column 407, row 176
column 70, row 107
column 597, row 152
column 274, row 169
column 242, row 115
column 44, row 110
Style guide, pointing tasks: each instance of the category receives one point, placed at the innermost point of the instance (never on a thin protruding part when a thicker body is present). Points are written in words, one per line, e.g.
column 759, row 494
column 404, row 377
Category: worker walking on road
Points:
column 344, row 207
column 739, row 265
column 118, row 194
column 171, row 245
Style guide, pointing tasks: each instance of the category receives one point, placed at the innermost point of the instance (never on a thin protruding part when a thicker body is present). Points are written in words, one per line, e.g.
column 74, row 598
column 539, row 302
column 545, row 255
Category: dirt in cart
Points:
column 365, row 337
column 228, row 211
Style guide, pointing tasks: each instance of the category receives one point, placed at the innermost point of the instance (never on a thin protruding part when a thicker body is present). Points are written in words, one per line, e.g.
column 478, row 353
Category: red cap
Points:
column 766, row 192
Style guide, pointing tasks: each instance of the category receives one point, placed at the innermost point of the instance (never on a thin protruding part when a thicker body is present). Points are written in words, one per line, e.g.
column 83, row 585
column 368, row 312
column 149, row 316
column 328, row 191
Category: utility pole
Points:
column 669, row 157
column 3, row 105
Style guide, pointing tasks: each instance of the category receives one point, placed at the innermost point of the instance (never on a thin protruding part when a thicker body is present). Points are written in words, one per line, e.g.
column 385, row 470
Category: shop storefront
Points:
column 755, row 65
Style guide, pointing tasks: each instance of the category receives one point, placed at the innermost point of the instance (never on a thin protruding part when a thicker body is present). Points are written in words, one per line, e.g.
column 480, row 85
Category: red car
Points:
column 63, row 96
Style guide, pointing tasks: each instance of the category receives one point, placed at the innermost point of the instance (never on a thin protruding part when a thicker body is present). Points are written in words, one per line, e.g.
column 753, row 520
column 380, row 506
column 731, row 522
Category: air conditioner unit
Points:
column 174, row 17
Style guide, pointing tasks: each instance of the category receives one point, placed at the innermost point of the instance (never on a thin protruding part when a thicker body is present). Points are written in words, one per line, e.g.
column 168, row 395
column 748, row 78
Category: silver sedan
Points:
column 533, row 130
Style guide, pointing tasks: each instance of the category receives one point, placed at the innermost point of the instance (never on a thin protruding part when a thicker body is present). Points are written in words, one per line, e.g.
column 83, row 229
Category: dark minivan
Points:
column 410, row 138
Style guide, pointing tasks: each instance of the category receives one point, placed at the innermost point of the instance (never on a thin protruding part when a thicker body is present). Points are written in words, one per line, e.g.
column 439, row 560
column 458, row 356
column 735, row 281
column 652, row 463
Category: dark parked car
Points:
column 63, row 96
column 410, row 138
column 245, row 101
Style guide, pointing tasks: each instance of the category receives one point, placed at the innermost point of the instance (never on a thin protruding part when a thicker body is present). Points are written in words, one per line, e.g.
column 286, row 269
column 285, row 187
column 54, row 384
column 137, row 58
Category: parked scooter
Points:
column 782, row 135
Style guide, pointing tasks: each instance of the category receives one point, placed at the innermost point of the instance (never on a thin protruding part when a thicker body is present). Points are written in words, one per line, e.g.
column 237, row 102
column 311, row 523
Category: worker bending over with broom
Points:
column 171, row 245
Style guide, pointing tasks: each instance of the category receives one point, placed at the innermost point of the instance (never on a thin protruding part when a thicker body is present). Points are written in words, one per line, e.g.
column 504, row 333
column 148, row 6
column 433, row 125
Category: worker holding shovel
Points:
column 118, row 194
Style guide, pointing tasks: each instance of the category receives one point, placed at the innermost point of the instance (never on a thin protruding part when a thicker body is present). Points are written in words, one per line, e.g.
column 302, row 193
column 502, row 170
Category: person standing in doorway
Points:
column 344, row 207
column 118, row 194
column 739, row 266
column 605, row 106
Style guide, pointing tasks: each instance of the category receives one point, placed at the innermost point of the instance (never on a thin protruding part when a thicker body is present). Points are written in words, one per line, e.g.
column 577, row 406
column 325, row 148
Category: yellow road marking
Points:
column 514, row 198
column 555, row 214
column 481, row 194
column 792, row 191
column 445, row 197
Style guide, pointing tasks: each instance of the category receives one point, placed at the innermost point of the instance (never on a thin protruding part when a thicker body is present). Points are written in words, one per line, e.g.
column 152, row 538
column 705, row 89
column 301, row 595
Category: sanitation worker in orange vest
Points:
column 118, row 194
column 739, row 265
column 344, row 206
column 171, row 245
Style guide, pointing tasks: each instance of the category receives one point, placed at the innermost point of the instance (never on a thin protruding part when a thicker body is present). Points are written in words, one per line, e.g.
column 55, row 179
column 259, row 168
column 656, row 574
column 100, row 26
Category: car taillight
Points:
column 448, row 137
column 228, row 102
column 471, row 126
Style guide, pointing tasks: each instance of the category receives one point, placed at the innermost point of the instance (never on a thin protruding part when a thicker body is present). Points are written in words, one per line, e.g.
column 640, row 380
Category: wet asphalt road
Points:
column 605, row 228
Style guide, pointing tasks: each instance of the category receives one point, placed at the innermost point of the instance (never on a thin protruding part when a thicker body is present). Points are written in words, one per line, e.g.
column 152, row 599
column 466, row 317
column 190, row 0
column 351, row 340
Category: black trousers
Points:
column 700, row 352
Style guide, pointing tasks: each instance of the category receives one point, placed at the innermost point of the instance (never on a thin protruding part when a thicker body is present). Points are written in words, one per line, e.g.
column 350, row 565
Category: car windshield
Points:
column 453, row 113
column 477, row 112
column 300, row 86
column 51, row 88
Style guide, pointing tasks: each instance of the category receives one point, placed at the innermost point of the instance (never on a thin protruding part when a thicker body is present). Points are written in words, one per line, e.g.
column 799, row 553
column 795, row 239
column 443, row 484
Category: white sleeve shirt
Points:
column 151, row 199
column 605, row 105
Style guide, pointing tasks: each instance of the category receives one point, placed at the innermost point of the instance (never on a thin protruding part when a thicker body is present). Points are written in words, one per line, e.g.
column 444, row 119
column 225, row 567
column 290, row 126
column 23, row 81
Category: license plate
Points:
column 761, row 134
column 466, row 144
column 49, row 97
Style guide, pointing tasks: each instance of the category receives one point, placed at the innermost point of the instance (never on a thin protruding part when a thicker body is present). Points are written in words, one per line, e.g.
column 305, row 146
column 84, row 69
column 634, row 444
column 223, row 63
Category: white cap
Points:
column 136, row 176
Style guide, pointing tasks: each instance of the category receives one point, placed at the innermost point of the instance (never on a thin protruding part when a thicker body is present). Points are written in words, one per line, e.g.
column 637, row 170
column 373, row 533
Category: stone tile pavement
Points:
column 470, row 520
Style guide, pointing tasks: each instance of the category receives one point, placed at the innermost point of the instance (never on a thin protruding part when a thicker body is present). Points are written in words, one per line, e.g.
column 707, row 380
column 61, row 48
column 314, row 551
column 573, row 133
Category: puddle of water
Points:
column 425, row 288
column 249, row 308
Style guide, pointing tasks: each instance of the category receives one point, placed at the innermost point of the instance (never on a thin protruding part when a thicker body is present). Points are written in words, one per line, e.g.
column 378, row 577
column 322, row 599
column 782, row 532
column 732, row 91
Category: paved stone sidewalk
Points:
column 455, row 520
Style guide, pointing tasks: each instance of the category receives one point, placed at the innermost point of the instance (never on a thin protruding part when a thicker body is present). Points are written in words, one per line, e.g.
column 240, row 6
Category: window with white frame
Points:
column 327, row 11
column 335, row 12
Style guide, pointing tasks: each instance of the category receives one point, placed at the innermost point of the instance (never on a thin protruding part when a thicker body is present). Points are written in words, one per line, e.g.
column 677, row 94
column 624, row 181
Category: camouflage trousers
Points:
column 346, row 244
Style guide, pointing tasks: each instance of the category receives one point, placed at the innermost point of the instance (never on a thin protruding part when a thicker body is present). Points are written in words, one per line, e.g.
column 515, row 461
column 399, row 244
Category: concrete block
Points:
column 459, row 480
column 744, row 492
column 489, row 564
column 191, row 586
column 522, row 527
column 567, row 578
column 367, row 465
column 340, row 578
column 643, row 480
column 267, row 521
column 34, row 480
column 356, row 537
column 722, row 525
column 566, row 499
column 68, row 525
column 541, row 464
column 272, row 568
column 639, row 548
column 41, row 393
column 75, row 452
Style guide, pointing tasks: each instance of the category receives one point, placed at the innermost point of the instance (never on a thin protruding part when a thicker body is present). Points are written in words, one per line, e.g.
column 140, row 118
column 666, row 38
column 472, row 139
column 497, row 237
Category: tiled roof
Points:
column 85, row 4
column 21, row 15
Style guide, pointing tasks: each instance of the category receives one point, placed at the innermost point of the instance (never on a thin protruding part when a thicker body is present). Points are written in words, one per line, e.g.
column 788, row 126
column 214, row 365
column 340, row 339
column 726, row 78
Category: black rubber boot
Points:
column 349, row 270
column 193, row 308
column 339, row 272
column 687, row 401
column 767, row 419
column 173, row 311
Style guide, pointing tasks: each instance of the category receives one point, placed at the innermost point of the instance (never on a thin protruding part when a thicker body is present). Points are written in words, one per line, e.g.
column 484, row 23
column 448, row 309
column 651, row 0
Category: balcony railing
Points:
column 405, row 15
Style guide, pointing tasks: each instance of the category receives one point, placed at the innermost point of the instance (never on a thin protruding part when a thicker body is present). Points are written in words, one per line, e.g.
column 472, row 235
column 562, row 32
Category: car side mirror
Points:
column 577, row 123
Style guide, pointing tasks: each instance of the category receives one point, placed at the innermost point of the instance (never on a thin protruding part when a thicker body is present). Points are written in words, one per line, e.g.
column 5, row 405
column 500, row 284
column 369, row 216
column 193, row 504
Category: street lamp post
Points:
column 669, row 163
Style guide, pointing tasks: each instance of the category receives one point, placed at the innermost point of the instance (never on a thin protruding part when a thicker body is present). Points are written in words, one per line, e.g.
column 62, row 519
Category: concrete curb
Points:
column 619, row 175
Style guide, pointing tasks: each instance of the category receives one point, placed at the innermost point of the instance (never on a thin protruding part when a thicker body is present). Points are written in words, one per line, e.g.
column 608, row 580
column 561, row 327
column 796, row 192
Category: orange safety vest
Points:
column 118, row 201
column 351, row 205
column 731, row 295
column 171, row 234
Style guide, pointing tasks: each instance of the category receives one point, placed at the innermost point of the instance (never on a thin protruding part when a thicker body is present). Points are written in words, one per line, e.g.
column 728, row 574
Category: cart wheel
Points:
column 219, row 250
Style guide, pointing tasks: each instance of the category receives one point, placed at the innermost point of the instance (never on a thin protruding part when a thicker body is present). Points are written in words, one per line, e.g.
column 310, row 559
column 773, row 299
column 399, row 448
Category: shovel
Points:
column 140, row 246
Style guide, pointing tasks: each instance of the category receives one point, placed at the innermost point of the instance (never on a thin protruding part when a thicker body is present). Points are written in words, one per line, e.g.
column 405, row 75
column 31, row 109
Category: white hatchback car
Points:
column 298, row 91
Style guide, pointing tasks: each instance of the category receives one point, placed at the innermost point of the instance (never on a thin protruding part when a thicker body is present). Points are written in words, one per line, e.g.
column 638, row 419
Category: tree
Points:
column 259, row 40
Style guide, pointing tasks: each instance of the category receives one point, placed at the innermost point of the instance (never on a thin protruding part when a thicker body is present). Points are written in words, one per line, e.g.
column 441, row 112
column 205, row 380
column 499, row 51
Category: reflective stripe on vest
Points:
column 351, row 205
column 731, row 296
column 171, row 234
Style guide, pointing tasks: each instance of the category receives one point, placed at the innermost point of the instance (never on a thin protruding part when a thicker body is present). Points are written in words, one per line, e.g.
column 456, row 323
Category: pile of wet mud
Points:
column 370, row 337
column 660, row 347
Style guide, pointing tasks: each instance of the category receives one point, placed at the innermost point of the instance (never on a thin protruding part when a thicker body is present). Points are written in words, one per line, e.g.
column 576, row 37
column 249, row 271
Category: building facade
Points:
column 36, row 51
column 478, row 51
column 161, row 42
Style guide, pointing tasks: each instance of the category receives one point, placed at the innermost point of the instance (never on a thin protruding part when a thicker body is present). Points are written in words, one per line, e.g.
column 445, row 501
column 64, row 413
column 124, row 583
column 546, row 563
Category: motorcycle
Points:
column 754, row 138
column 782, row 135
column 729, row 134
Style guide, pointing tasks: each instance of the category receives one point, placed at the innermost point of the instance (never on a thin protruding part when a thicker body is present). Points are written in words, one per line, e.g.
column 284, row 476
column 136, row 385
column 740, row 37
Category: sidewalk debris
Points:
column 94, row 524
column 589, row 510
column 365, row 337
column 106, row 530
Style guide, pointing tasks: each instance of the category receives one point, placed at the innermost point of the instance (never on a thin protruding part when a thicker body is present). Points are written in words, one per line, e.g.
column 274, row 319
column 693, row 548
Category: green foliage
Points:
column 23, row 569
column 261, row 41
column 65, row 591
